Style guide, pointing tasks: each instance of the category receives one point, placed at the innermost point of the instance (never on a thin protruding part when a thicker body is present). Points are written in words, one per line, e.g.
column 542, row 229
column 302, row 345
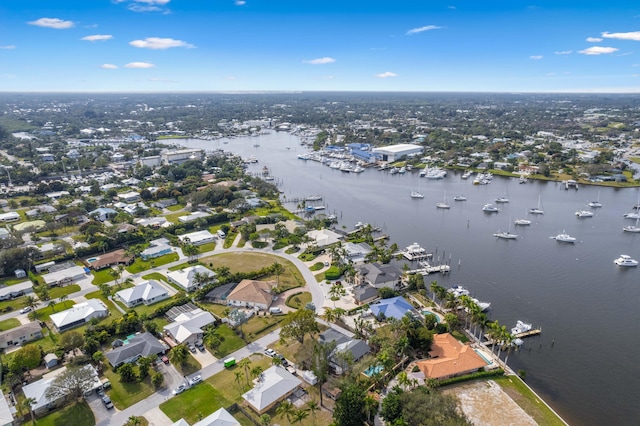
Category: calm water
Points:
column 584, row 363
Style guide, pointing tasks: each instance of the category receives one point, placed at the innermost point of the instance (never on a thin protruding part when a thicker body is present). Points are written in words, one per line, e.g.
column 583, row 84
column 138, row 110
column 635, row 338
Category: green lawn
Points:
column 9, row 324
column 298, row 300
column 146, row 309
column 125, row 395
column 114, row 312
column 13, row 281
column 231, row 342
column 173, row 217
column 320, row 277
column 207, row 247
column 175, row 207
column 12, row 305
column 56, row 292
column 156, row 276
column 102, row 276
column 258, row 326
column 527, row 400
column 44, row 313
column 190, row 366
column 140, row 265
column 78, row 414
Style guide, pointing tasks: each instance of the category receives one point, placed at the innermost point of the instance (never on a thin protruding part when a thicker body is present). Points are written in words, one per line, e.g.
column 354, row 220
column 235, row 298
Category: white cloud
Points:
column 240, row 2
column 633, row 35
column 158, row 43
column 10, row 47
column 161, row 80
column 146, row 5
column 327, row 77
column 109, row 66
column 386, row 75
column 598, row 50
column 422, row 29
column 97, row 37
column 563, row 52
column 54, row 23
column 536, row 57
column 594, row 39
column 139, row 65
column 320, row 61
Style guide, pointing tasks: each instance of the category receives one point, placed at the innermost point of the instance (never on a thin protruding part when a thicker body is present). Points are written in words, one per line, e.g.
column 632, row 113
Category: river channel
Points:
column 584, row 363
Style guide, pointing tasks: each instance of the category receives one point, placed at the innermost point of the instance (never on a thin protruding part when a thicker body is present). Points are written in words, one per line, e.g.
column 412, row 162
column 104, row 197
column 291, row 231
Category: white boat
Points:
column 459, row 198
column 313, row 198
column 345, row 167
column 458, row 290
column 506, row 235
column 597, row 203
column 490, row 208
column 466, row 174
column 414, row 251
column 444, row 204
column 357, row 169
column 563, row 237
column 484, row 306
column 632, row 228
column 402, row 170
column 632, row 215
column 394, row 170
column 522, row 222
column 584, row 213
column 416, row 194
column 335, row 164
column 359, row 225
column 502, row 200
column 436, row 173
column 538, row 209
column 423, row 173
column 625, row 260
column 521, row 327
column 523, row 179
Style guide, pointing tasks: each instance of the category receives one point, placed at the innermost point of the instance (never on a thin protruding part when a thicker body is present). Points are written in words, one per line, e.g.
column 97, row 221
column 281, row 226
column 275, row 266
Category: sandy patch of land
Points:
column 485, row 403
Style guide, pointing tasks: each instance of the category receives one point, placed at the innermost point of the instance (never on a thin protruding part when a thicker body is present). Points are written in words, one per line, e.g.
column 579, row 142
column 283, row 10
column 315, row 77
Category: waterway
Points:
column 584, row 364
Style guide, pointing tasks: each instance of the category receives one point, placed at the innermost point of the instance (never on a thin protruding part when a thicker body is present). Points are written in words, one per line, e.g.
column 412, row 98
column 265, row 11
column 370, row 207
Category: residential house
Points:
column 364, row 293
column 129, row 197
column 272, row 386
column 153, row 222
column 252, row 293
column 220, row 417
column 379, row 275
column 156, row 248
column 186, row 278
column 57, row 194
column 187, row 325
column 141, row 345
column 79, row 314
column 198, row 238
column 20, row 335
column 38, row 390
column 449, row 357
column 220, row 293
column 106, row 260
column 347, row 349
column 163, row 204
column 16, row 290
column 64, row 276
column 356, row 253
column 193, row 216
column 103, row 213
column 324, row 237
column 147, row 292
column 394, row 307
column 9, row 217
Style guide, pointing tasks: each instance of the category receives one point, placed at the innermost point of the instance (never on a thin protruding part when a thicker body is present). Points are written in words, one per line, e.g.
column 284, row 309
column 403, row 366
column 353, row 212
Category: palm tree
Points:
column 245, row 363
column 238, row 375
column 178, row 354
column 52, row 303
column 30, row 302
column 329, row 315
column 336, row 292
column 299, row 415
column 27, row 403
column 370, row 406
column 277, row 269
column 265, row 420
column 286, row 409
column 313, row 406
column 508, row 341
column 63, row 298
column 256, row 371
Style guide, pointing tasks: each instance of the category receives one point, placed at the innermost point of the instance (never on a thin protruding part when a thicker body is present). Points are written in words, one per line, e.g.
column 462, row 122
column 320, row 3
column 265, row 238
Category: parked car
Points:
column 165, row 359
column 199, row 345
column 192, row 348
column 179, row 389
column 270, row 352
column 107, row 401
column 195, row 379
column 25, row 310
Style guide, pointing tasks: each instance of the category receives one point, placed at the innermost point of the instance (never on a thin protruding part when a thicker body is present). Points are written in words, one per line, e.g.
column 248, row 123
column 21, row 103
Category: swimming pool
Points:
column 426, row 312
column 91, row 260
column 483, row 357
column 373, row 370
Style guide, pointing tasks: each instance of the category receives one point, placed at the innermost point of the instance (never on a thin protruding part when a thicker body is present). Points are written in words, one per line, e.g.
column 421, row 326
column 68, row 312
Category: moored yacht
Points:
column 563, row 237
column 416, row 194
column 505, row 235
column 502, row 200
column 584, row 213
column 484, row 306
column 490, row 208
column 522, row 222
column 521, row 327
column 632, row 228
column 459, row 198
column 458, row 290
column 625, row 260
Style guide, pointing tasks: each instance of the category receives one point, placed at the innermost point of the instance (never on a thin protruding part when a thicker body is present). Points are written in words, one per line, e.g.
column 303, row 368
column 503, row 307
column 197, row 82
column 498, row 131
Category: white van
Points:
column 275, row 310
column 221, row 234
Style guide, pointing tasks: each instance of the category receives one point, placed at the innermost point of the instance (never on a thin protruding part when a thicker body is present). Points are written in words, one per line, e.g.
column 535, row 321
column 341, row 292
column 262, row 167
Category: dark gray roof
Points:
column 331, row 335
column 364, row 292
column 144, row 344
column 220, row 292
column 377, row 273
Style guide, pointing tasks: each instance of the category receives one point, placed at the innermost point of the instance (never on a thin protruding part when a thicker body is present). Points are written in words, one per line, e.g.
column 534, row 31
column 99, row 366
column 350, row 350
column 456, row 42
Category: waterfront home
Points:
column 141, row 345
column 146, row 292
column 252, row 294
column 106, row 260
column 395, row 307
column 38, row 390
column 188, row 322
column 364, row 293
column 20, row 335
column 379, row 275
column 271, row 387
column 324, row 237
column 186, row 278
column 156, row 248
column 198, row 238
column 356, row 253
column 79, row 314
column 449, row 357
column 64, row 276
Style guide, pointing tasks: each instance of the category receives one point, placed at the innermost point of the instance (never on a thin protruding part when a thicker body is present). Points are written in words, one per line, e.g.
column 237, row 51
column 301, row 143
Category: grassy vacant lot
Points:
column 173, row 217
column 140, row 265
column 123, row 394
column 175, row 207
column 78, row 414
column 258, row 326
column 205, row 398
column 9, row 323
column 298, row 300
column 56, row 292
column 230, row 341
column 246, row 262
column 527, row 400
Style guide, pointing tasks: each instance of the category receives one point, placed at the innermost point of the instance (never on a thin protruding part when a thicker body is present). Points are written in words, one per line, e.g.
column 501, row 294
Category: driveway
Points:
column 171, row 376
column 100, row 412
column 204, row 358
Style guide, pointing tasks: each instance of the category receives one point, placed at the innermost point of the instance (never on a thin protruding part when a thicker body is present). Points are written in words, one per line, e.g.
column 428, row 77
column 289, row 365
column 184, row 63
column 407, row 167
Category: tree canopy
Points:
column 298, row 323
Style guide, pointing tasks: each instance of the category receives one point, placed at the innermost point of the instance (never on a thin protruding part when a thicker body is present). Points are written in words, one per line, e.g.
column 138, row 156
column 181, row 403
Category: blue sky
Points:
column 319, row 45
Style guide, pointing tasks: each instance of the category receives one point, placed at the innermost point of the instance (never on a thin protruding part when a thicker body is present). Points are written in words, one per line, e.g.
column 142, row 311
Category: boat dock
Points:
column 426, row 270
column 533, row 332
column 359, row 229
column 416, row 256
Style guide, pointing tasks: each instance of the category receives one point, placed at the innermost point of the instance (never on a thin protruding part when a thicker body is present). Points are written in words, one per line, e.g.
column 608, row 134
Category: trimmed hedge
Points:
column 472, row 376
column 333, row 273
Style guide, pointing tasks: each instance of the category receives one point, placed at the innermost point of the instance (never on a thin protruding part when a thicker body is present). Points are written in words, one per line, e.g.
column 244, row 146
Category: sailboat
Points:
column 537, row 210
column 504, row 199
column 633, row 228
column 596, row 203
column 443, row 204
column 506, row 235
column 522, row 222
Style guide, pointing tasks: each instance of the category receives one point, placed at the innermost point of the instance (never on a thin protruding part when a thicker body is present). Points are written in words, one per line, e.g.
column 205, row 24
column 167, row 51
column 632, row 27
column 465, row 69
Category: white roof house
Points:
column 218, row 418
column 187, row 327
column 64, row 276
column 273, row 385
column 38, row 390
column 9, row 217
column 6, row 412
column 185, row 277
column 324, row 237
column 192, row 216
column 147, row 292
column 79, row 314
column 198, row 238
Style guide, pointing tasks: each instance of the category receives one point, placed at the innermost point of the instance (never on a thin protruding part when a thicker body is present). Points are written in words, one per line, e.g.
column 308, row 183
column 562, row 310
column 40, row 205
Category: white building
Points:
column 17, row 290
column 79, row 314
column 129, row 197
column 273, row 385
column 193, row 216
column 324, row 237
column 147, row 292
column 185, row 277
column 218, row 418
column 152, row 161
column 187, row 327
column 181, row 155
column 9, row 217
column 64, row 276
column 396, row 152
column 198, row 238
